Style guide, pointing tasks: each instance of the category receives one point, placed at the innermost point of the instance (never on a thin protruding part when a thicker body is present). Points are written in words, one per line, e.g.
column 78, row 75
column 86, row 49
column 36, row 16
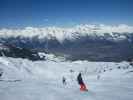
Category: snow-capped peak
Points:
column 69, row 33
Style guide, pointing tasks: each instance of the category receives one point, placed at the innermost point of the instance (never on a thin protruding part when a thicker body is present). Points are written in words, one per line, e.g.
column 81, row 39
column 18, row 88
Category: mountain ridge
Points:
column 77, row 45
column 119, row 32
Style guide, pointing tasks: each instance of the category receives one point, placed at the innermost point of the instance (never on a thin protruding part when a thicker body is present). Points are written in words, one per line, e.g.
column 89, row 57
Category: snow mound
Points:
column 54, row 68
column 51, row 57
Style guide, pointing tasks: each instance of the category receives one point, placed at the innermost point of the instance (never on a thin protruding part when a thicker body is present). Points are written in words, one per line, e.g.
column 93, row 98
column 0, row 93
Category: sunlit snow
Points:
column 42, row 80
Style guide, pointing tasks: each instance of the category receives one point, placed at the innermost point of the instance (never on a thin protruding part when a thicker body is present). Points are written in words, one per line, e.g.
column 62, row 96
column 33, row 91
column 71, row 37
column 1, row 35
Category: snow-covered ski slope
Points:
column 42, row 80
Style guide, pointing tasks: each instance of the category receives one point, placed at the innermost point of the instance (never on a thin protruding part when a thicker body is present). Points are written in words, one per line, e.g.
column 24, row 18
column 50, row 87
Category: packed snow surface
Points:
column 42, row 80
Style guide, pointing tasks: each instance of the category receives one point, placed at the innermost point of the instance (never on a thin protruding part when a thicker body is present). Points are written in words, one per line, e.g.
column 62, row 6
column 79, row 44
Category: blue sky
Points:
column 39, row 13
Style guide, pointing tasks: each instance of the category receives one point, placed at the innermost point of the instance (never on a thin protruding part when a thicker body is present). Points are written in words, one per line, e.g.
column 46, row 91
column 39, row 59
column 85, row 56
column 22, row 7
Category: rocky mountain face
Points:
column 9, row 50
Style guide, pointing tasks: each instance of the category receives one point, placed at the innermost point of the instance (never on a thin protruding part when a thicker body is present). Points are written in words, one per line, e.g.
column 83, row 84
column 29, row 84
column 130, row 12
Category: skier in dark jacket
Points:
column 1, row 72
column 81, row 83
column 64, row 80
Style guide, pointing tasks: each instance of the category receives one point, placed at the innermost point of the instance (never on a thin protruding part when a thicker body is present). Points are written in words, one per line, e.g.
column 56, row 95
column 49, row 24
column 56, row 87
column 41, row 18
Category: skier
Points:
column 64, row 80
column 1, row 73
column 98, row 77
column 81, row 83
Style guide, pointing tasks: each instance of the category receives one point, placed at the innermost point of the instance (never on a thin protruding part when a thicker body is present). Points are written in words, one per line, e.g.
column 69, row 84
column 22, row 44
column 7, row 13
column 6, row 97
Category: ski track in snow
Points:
column 42, row 80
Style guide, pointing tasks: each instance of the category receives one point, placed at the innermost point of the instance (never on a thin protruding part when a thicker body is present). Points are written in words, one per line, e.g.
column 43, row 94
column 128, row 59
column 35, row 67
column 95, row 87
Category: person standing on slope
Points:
column 1, row 72
column 81, row 83
column 64, row 80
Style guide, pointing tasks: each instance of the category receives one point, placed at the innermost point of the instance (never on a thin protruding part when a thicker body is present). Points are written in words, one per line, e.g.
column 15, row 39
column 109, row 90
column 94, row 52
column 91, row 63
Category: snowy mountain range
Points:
column 82, row 42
